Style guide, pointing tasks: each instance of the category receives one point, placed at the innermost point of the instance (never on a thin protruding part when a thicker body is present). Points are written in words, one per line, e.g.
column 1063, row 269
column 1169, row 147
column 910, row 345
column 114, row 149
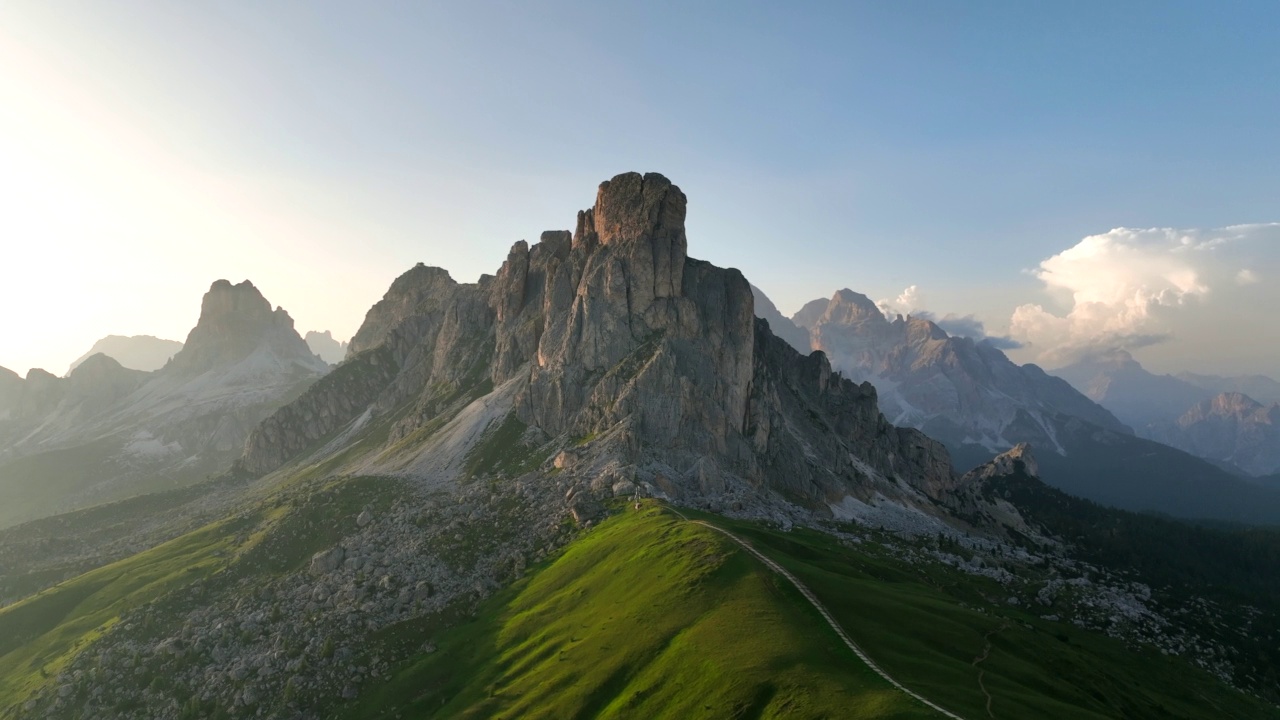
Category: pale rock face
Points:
column 418, row 286
column 950, row 387
column 325, row 346
column 235, row 321
column 614, row 332
column 808, row 315
column 1006, row 463
column 1230, row 427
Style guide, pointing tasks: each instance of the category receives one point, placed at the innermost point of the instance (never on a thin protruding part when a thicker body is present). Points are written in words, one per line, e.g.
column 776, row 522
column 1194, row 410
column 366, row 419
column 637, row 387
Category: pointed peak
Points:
column 852, row 308
column 94, row 362
column 811, row 312
column 234, row 321
column 1009, row 462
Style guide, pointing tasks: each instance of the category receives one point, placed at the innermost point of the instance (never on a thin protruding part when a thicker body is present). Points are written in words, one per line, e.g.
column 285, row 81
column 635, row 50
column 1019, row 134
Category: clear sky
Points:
column 1071, row 174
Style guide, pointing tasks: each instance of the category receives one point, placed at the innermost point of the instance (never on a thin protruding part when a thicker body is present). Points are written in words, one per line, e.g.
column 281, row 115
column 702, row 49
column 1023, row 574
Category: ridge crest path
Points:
column 822, row 609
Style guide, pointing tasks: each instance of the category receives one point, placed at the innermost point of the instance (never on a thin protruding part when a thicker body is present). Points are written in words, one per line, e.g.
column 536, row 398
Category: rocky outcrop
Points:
column 979, row 501
column 1017, row 459
column 236, row 321
column 333, row 402
column 409, row 294
column 613, row 332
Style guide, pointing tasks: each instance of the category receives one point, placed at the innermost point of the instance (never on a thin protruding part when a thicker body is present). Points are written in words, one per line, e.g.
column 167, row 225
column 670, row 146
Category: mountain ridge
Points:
column 106, row 432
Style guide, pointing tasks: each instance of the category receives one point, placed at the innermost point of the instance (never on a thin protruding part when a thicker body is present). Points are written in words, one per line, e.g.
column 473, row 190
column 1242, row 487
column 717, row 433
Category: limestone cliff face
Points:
column 408, row 295
column 614, row 332
column 236, row 321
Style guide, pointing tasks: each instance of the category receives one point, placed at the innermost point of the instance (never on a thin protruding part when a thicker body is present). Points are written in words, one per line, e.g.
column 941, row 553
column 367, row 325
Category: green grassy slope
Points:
column 649, row 616
column 927, row 624
column 646, row 616
column 39, row 635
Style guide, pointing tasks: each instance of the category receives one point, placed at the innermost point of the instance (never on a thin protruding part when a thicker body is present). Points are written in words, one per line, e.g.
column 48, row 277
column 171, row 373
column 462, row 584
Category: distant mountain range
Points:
column 1231, row 421
column 969, row 395
column 136, row 352
column 106, row 432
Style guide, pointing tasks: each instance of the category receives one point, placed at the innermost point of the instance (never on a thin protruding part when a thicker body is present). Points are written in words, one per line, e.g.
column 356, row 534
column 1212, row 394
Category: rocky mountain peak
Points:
column 40, row 376
column 96, row 367
column 1005, row 464
column 417, row 286
column 642, row 218
column 614, row 334
column 923, row 330
column 1224, row 406
column 812, row 311
column 1234, row 403
column 852, row 308
column 323, row 344
column 235, row 321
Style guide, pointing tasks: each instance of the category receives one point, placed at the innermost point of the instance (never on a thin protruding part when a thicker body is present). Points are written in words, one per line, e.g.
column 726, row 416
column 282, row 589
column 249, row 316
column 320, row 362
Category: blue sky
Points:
column 320, row 149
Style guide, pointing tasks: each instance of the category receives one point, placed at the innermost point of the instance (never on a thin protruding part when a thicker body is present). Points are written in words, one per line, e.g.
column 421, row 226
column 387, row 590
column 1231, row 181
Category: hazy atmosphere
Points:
column 1063, row 178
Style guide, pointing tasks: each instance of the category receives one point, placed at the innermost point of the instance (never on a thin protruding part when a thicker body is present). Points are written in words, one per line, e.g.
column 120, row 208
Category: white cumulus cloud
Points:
column 908, row 301
column 1132, row 288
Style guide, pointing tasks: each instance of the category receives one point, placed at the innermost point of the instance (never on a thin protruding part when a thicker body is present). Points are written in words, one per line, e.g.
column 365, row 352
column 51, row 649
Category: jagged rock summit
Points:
column 236, row 321
column 325, row 346
column 109, row 432
column 628, row 362
column 1006, row 463
column 957, row 390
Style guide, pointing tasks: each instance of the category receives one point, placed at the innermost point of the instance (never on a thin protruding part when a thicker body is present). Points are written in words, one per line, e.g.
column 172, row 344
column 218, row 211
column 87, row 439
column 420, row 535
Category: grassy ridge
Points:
column 645, row 617
column 927, row 624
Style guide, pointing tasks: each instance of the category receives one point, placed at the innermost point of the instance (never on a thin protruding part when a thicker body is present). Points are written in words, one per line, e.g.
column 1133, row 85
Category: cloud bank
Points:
column 909, row 302
column 1131, row 288
column 969, row 326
